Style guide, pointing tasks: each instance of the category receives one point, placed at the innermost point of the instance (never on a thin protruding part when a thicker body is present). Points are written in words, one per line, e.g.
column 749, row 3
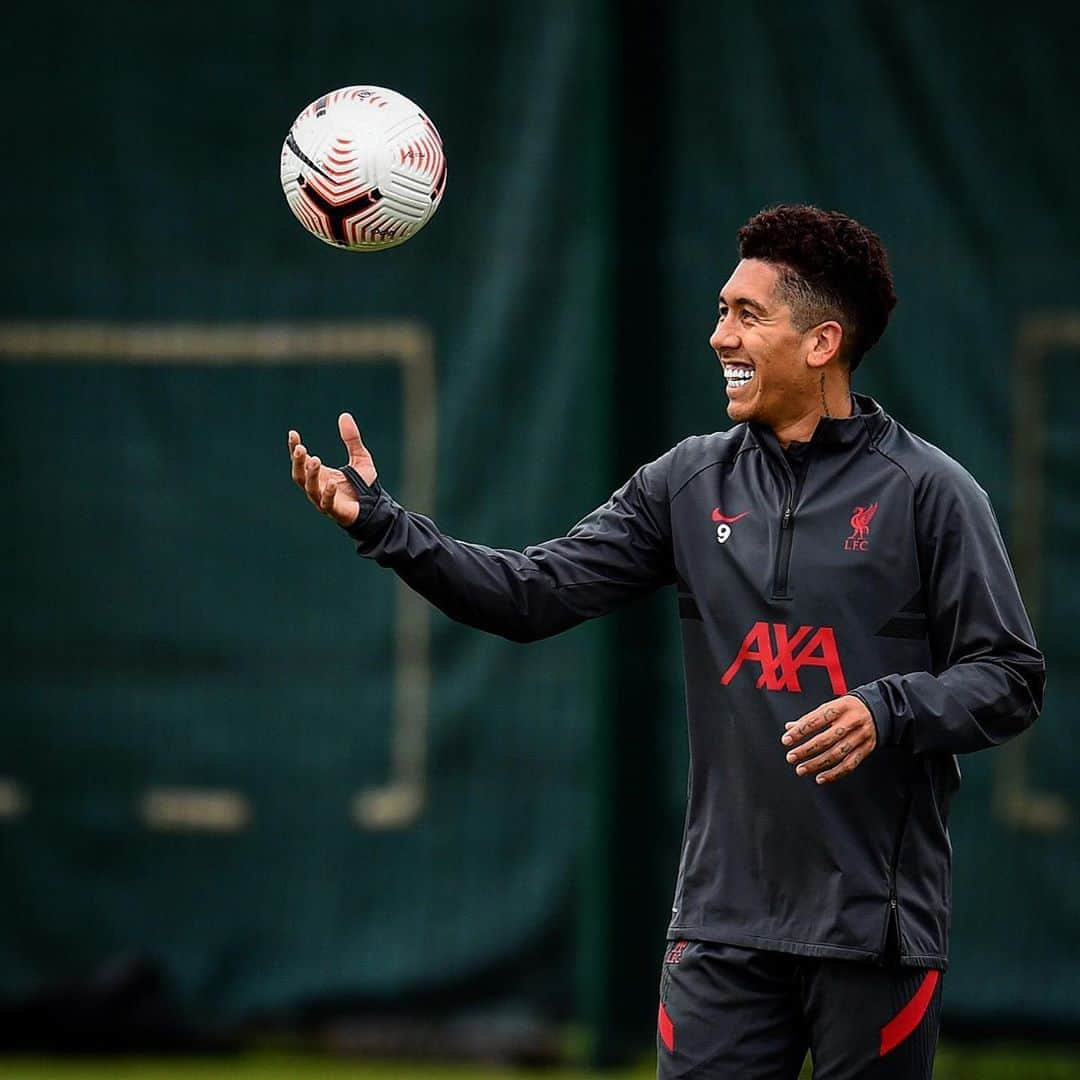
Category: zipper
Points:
column 893, row 918
column 892, row 923
column 787, row 532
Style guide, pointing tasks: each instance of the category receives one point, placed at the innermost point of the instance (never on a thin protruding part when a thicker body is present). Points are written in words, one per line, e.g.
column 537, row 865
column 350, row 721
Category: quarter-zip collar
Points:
column 867, row 421
column 832, row 435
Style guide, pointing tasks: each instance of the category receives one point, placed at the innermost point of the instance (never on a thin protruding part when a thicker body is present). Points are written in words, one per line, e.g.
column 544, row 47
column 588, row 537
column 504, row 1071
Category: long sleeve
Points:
column 621, row 550
column 988, row 675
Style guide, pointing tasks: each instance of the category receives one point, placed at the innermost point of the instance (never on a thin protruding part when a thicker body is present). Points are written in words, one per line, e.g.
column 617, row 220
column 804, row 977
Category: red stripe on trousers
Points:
column 909, row 1017
column 666, row 1029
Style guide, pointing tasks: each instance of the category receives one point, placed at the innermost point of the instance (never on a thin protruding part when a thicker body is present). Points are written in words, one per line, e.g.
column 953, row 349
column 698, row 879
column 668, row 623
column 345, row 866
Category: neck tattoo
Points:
column 824, row 403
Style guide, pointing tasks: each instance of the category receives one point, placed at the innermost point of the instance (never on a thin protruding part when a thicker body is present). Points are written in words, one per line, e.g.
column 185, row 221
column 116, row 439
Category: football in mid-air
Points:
column 363, row 168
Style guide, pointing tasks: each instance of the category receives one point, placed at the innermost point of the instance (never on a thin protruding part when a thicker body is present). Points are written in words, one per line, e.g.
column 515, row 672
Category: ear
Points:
column 824, row 341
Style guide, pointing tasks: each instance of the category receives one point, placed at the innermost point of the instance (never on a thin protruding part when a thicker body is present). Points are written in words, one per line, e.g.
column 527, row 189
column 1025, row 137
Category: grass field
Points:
column 987, row 1062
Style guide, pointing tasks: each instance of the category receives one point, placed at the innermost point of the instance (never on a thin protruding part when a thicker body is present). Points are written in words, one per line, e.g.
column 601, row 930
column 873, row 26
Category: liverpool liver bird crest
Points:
column 860, row 521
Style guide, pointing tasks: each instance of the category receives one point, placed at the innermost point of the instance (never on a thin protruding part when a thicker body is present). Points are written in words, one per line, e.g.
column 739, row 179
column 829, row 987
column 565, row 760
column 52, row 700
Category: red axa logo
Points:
column 781, row 656
column 860, row 528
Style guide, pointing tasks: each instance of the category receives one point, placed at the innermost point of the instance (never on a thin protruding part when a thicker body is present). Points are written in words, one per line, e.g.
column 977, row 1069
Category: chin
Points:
column 740, row 411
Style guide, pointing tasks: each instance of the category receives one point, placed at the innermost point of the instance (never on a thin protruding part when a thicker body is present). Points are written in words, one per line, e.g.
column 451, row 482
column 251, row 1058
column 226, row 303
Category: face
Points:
column 764, row 357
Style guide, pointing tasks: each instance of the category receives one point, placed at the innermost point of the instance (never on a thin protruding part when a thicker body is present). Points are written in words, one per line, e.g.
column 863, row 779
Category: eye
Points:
column 748, row 316
column 723, row 312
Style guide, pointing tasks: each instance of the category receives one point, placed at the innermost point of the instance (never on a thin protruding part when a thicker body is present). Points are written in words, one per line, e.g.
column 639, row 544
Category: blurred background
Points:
column 252, row 794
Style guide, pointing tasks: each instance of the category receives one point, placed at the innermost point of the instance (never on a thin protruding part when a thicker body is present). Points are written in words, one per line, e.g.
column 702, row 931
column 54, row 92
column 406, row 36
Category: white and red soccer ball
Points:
column 363, row 168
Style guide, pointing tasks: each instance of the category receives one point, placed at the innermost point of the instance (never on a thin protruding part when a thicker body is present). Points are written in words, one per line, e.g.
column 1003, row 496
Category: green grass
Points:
column 272, row 1067
column 1007, row 1061
column 277, row 1067
column 1004, row 1061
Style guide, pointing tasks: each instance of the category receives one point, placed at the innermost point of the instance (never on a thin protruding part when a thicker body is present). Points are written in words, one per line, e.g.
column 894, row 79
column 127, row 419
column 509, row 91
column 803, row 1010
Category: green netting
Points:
column 175, row 616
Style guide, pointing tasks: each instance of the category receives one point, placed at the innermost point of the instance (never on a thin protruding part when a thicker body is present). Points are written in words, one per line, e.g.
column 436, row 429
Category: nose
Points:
column 724, row 336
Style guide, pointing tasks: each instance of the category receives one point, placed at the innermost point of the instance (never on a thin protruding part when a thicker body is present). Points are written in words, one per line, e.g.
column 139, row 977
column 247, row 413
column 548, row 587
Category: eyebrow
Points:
column 744, row 301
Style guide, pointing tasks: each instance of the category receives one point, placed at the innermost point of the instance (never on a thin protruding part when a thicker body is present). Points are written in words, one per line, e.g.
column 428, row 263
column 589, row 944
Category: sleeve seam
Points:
column 711, row 465
column 892, row 461
column 595, row 581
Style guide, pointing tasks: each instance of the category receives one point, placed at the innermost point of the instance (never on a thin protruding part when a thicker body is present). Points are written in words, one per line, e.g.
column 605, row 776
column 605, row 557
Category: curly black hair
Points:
column 831, row 268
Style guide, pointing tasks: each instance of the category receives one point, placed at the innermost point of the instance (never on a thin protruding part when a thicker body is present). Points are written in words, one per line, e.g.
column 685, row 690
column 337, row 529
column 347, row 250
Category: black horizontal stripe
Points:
column 915, row 606
column 912, row 627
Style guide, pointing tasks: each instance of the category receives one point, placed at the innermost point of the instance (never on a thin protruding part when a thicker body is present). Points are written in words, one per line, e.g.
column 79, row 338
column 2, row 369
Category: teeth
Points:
column 737, row 375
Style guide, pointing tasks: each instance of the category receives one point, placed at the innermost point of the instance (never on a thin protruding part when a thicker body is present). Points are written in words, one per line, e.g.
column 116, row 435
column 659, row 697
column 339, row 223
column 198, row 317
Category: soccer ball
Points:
column 363, row 168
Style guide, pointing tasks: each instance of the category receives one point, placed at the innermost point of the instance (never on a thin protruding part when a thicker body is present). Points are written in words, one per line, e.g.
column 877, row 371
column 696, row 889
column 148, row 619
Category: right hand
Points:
column 329, row 489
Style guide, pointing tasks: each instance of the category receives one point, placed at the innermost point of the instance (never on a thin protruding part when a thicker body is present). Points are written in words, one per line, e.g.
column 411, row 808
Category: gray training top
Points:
column 879, row 570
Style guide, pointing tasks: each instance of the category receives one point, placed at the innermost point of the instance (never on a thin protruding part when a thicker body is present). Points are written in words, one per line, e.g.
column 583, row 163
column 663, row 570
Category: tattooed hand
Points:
column 832, row 740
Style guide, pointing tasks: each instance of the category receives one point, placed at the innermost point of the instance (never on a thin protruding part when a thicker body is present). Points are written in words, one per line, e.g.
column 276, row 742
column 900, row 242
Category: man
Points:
column 850, row 623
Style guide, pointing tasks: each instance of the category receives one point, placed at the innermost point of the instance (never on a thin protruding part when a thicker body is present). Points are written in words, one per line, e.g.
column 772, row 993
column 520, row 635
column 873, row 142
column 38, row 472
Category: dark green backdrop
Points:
column 176, row 616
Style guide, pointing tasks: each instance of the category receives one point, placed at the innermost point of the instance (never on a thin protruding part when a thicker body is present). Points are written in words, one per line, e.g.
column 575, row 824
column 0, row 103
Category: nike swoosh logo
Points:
column 717, row 516
column 291, row 143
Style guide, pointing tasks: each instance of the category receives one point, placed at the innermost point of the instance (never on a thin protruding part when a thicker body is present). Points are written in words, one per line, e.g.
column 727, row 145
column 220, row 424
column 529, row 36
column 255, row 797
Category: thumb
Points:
column 350, row 436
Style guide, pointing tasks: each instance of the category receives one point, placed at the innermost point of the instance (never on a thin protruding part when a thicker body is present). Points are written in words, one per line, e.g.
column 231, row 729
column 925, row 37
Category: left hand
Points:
column 835, row 737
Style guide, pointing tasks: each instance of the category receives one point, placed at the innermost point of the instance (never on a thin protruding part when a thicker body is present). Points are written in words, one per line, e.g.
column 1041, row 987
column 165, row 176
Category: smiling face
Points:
column 772, row 370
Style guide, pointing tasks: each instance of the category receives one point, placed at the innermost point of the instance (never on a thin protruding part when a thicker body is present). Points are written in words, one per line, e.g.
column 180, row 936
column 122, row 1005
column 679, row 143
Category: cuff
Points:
column 870, row 695
column 369, row 496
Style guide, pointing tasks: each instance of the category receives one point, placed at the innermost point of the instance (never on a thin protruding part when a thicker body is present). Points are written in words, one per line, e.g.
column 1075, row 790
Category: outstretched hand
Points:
column 329, row 489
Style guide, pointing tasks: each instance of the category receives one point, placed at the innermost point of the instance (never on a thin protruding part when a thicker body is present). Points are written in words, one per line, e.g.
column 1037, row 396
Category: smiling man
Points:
column 850, row 623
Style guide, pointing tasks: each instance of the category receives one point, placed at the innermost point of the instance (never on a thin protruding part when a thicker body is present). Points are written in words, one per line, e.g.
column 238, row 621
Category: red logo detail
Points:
column 910, row 1016
column 860, row 528
column 724, row 519
column 780, row 667
column 674, row 954
column 666, row 1029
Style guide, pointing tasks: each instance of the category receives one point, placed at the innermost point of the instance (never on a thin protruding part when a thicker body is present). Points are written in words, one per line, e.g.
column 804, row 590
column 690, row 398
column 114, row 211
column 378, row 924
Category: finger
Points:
column 350, row 436
column 848, row 765
column 811, row 722
column 326, row 501
column 820, row 742
column 299, row 459
column 311, row 479
column 294, row 440
column 834, row 757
